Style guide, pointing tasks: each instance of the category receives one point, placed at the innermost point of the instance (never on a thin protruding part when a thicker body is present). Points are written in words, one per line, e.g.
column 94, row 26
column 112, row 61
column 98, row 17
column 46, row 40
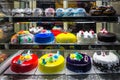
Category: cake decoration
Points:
column 24, row 62
column 56, row 30
column 78, row 62
column 51, row 63
column 35, row 30
column 86, row 37
column 51, row 58
column 24, row 57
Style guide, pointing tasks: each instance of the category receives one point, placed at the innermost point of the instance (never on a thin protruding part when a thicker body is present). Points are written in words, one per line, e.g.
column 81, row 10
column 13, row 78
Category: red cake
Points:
column 24, row 62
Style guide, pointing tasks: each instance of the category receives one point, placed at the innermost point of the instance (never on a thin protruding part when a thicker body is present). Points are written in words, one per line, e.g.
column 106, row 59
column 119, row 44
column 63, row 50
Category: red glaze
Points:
column 25, row 66
column 56, row 32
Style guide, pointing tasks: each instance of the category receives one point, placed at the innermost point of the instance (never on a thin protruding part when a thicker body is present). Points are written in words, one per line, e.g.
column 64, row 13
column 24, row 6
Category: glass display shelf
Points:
column 67, row 19
column 65, row 46
column 93, row 74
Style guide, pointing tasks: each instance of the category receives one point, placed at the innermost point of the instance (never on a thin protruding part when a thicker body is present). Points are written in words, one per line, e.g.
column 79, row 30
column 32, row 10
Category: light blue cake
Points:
column 60, row 12
column 45, row 36
column 79, row 12
column 69, row 12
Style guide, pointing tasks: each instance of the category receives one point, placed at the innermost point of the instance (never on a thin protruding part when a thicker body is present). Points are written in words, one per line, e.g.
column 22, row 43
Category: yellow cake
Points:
column 51, row 63
column 66, row 38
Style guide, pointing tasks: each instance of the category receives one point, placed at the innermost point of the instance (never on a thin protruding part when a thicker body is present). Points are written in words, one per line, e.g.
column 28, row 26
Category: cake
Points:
column 28, row 12
column 78, row 62
column 110, row 11
column 37, row 12
column 17, row 12
column 51, row 63
column 45, row 36
column 3, row 57
column 95, row 12
column 105, row 36
column 60, row 12
column 69, row 12
column 49, row 12
column 24, row 62
column 79, row 12
column 56, row 30
column 86, row 37
column 22, row 37
column 106, row 61
column 66, row 37
column 35, row 30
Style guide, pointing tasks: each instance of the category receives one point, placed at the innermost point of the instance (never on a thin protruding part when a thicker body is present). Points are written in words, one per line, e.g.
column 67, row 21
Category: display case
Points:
column 67, row 16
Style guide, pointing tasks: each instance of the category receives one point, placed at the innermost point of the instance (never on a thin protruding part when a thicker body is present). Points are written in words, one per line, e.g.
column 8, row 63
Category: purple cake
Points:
column 78, row 62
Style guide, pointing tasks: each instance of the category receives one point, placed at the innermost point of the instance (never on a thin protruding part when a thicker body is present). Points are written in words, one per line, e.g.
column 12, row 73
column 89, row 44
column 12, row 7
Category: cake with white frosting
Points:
column 35, row 30
column 106, row 61
column 17, row 12
column 37, row 12
column 27, row 12
column 86, row 37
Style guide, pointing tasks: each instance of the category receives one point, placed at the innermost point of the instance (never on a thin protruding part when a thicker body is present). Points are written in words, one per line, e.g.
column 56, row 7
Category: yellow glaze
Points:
column 51, row 67
column 66, row 38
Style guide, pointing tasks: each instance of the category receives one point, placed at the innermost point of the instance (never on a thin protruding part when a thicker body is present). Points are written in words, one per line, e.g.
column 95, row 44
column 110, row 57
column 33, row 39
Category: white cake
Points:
column 35, row 30
column 37, row 12
column 28, row 12
column 106, row 61
column 18, row 12
column 86, row 37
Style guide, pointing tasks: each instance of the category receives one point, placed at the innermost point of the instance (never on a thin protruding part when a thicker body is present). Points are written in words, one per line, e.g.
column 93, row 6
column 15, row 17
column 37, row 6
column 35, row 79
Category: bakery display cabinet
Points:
column 59, row 39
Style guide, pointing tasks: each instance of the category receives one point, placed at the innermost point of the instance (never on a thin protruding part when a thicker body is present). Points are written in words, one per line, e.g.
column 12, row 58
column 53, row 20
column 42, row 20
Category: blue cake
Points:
column 78, row 62
column 69, row 12
column 60, row 12
column 79, row 12
column 45, row 36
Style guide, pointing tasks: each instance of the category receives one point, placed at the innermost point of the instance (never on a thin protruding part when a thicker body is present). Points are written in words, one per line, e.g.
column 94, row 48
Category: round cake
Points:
column 24, row 62
column 56, row 30
column 79, row 12
column 45, row 36
column 17, row 12
column 51, row 63
column 35, row 30
column 49, row 12
column 22, row 37
column 106, row 61
column 28, row 12
column 60, row 12
column 37, row 12
column 105, row 36
column 95, row 12
column 78, row 62
column 110, row 11
column 86, row 37
column 69, row 12
column 66, row 38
